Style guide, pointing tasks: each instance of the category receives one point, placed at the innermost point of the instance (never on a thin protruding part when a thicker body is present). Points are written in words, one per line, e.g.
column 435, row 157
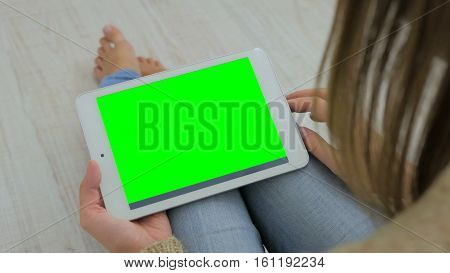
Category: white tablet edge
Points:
column 97, row 141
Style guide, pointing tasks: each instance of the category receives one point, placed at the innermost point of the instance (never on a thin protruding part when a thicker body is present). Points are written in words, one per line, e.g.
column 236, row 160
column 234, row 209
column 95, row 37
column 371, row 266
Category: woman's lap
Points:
column 219, row 223
column 301, row 211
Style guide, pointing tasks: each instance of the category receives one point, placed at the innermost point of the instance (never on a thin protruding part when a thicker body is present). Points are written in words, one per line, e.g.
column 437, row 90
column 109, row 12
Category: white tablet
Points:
column 181, row 135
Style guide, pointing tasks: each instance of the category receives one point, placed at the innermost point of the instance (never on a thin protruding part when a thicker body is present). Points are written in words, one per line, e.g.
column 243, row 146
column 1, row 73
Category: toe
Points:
column 113, row 34
column 101, row 52
column 141, row 59
column 149, row 60
column 98, row 61
column 105, row 44
column 98, row 73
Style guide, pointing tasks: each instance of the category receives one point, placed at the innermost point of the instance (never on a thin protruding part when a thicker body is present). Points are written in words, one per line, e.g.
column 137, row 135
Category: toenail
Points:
column 107, row 28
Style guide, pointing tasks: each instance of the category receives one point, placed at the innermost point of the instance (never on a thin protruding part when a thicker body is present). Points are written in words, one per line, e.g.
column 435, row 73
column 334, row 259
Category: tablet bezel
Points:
column 98, row 144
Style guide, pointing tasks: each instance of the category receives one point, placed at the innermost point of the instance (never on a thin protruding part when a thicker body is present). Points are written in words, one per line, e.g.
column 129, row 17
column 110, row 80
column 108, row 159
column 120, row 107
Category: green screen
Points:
column 182, row 131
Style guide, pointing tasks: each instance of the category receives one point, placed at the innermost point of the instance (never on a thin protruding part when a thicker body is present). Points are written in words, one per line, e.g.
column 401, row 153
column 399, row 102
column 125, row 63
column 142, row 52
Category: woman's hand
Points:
column 314, row 101
column 115, row 234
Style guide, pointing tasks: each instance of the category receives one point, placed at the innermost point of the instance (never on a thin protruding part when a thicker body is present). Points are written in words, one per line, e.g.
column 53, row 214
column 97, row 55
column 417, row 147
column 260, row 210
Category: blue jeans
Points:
column 300, row 211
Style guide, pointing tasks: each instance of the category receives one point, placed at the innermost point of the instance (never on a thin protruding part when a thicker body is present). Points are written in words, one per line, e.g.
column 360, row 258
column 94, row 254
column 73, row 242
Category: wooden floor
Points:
column 42, row 150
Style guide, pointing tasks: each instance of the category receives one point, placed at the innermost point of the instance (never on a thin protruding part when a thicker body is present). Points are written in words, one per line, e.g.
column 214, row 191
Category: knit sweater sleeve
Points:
column 170, row 245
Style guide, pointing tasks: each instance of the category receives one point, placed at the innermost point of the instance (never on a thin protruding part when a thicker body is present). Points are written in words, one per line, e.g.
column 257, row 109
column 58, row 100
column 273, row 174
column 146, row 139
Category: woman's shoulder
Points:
column 424, row 227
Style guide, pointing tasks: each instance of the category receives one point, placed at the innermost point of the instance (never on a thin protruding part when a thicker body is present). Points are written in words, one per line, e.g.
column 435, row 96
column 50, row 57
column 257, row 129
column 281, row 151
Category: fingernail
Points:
column 107, row 28
column 88, row 166
column 305, row 132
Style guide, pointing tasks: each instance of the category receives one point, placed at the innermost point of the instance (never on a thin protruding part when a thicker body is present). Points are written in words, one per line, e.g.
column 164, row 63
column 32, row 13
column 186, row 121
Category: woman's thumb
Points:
column 92, row 176
column 89, row 188
column 317, row 146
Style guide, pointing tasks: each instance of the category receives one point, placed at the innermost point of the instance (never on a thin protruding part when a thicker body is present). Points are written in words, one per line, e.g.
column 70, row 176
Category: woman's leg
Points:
column 302, row 211
column 220, row 223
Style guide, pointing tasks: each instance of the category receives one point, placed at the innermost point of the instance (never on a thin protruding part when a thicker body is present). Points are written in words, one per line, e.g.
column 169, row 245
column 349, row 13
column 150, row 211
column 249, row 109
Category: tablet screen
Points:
column 190, row 131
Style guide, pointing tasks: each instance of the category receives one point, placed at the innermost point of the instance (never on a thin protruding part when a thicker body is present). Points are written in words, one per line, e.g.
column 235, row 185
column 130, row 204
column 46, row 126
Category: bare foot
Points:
column 150, row 66
column 116, row 53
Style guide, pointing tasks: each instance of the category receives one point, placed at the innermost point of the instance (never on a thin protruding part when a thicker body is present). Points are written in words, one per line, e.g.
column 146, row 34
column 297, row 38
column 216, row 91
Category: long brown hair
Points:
column 389, row 96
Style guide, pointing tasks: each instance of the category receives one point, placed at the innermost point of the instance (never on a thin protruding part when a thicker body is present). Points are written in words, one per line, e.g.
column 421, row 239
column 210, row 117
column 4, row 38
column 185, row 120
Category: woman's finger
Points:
column 318, row 92
column 93, row 215
column 317, row 146
column 91, row 203
column 90, row 186
column 301, row 105
column 317, row 106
